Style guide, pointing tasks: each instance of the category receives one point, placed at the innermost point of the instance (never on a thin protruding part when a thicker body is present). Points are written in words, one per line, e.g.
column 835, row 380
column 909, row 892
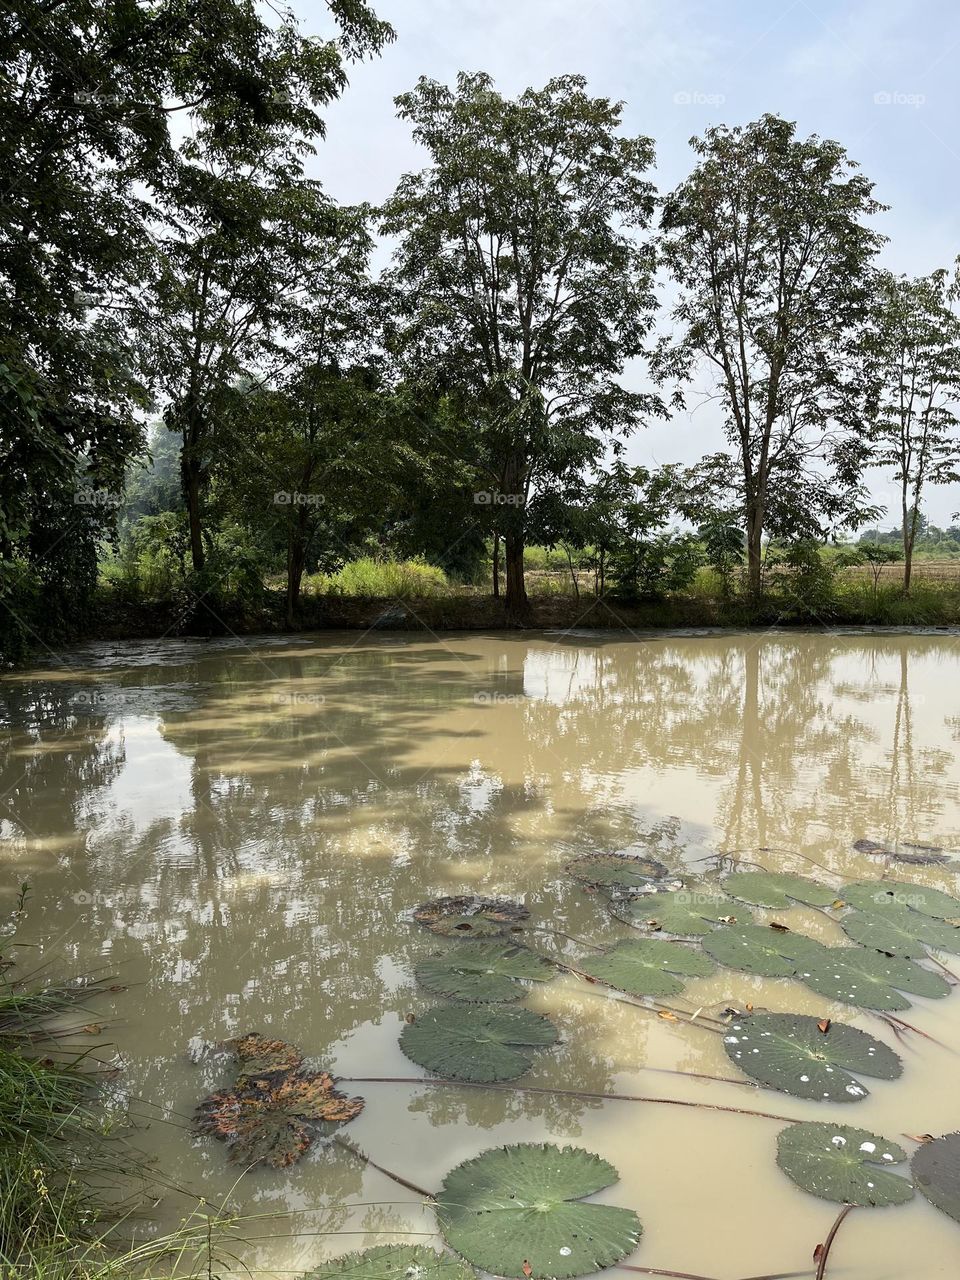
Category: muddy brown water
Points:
column 236, row 829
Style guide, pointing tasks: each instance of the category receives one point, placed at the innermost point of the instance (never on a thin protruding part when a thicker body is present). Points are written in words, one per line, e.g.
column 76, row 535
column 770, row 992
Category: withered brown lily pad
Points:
column 467, row 915
column 259, row 1055
column 274, row 1110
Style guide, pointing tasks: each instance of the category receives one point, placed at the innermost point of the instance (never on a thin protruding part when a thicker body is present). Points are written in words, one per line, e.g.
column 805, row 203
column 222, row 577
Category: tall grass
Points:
column 371, row 579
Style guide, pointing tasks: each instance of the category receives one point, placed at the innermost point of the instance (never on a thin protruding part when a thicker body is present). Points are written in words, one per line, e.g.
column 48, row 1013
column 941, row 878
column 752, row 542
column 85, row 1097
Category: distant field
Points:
column 930, row 570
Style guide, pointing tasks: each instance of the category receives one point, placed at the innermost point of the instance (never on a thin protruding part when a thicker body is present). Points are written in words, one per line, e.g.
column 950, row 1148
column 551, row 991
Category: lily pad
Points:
column 936, row 1172
column 868, row 979
column 477, row 1044
column 689, row 913
column 469, row 916
column 617, row 871
column 647, row 966
column 879, row 896
column 259, row 1055
column 274, row 1121
column 794, row 1054
column 479, row 972
column 837, row 1162
column 756, row 948
column 900, row 931
column 519, row 1211
column 777, row 890
column 917, row 855
column 394, row 1262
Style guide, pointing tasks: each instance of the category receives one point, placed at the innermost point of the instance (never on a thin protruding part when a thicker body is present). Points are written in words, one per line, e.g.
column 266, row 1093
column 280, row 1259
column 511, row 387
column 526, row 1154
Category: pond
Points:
column 239, row 832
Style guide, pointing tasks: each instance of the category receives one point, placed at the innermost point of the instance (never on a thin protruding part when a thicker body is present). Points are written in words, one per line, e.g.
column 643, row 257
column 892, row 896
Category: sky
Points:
column 881, row 77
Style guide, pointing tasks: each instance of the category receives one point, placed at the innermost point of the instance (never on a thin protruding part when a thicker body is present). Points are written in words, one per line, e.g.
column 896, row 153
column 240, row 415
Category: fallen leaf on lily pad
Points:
column 846, row 1165
column 687, row 911
column 470, row 916
column 647, row 966
column 809, row 1058
column 523, row 1205
column 755, row 948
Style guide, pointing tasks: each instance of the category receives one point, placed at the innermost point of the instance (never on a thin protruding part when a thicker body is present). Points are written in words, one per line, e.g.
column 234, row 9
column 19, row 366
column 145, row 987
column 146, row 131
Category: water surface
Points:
column 237, row 829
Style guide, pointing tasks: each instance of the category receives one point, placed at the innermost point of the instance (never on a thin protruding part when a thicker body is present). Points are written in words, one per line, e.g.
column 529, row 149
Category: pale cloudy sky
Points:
column 880, row 76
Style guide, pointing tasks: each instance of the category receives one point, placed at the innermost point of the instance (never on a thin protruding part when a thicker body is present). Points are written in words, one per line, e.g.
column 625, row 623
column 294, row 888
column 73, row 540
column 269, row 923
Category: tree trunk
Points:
column 909, row 532
column 517, row 604
column 190, row 477
column 296, row 558
column 754, row 552
column 496, row 566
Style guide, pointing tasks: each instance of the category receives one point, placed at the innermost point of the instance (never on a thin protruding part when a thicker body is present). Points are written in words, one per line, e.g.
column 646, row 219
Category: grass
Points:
column 369, row 579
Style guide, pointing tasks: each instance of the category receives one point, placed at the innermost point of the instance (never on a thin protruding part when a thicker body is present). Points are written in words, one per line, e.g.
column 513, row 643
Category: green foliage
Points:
column 846, row 1165
column 371, row 579
column 465, row 1043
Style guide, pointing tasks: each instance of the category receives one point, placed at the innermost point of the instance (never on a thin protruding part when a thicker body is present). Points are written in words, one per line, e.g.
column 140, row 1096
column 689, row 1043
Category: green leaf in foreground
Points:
column 479, row 972
column 617, row 871
column 868, row 979
column 837, row 1162
column 878, row 896
column 394, row 1262
column 900, row 931
column 477, row 1044
column 777, row 890
column 936, row 1172
column 792, row 1053
column 524, row 1203
column 756, row 948
column 470, row 917
column 647, row 966
column 687, row 912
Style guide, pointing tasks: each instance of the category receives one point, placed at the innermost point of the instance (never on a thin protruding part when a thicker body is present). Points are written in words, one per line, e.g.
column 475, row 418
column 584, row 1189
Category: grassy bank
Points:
column 412, row 595
column 71, row 1187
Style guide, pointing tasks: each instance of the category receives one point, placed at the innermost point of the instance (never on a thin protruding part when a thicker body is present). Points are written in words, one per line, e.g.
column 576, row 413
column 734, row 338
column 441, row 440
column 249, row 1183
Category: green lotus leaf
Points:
column 878, row 896
column 756, row 948
column 869, row 979
column 471, row 917
column 462, row 1043
column 478, row 972
column 777, row 890
column 647, row 966
column 791, row 1053
column 936, row 1172
column 900, row 931
column 394, row 1262
column 687, row 912
column 521, row 1207
column 837, row 1162
column 617, row 871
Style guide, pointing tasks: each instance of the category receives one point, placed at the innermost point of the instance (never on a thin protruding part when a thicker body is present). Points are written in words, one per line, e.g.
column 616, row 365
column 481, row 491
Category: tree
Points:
column 876, row 555
column 87, row 157
column 913, row 365
column 767, row 243
column 524, row 288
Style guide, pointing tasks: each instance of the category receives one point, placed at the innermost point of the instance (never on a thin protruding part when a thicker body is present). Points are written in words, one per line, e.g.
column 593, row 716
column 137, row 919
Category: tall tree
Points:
column 524, row 283
column 914, row 369
column 87, row 156
column 767, row 242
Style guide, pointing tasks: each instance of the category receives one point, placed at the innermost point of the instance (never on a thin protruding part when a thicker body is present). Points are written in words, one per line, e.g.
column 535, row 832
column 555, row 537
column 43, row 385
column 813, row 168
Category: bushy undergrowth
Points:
column 371, row 579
